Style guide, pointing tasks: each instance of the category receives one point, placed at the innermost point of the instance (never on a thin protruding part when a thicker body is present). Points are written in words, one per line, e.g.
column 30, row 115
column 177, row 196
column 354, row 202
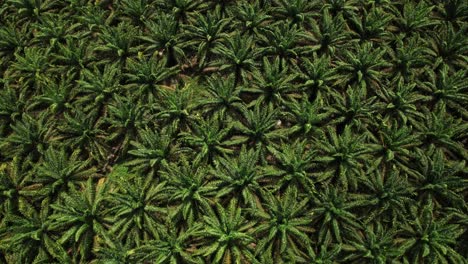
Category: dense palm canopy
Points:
column 220, row 131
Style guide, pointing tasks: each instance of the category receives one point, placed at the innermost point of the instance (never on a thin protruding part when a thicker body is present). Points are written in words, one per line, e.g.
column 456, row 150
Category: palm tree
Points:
column 283, row 225
column 125, row 118
column 449, row 88
column 365, row 64
column 273, row 83
column 59, row 171
column 137, row 12
column 96, row 87
column 152, row 149
column 375, row 246
column 13, row 39
column 428, row 238
column 458, row 216
column 332, row 213
column 227, row 236
column 52, row 29
column 31, row 9
column 181, row 10
column 448, row 47
column 30, row 137
column 251, row 18
column 73, row 55
column 453, row 11
column 297, row 11
column 222, row 5
column 57, row 94
column 388, row 194
column 414, row 17
column 79, row 217
column 12, row 107
column 345, row 7
column 31, row 67
column 237, row 55
column 135, row 207
column 342, row 157
column 352, row 108
column 400, row 101
column 171, row 246
column 240, row 177
column 118, row 43
column 293, row 164
column 14, row 189
column 94, row 17
column 372, row 25
column 258, row 127
column 395, row 146
column 409, row 56
column 316, row 76
column 306, row 117
column 331, row 33
column 147, row 74
column 439, row 180
column 27, row 237
column 210, row 139
column 189, row 191
column 322, row 254
column 204, row 34
column 80, row 131
column 115, row 253
column 220, row 96
column 286, row 43
column 443, row 130
column 176, row 108
column 163, row 37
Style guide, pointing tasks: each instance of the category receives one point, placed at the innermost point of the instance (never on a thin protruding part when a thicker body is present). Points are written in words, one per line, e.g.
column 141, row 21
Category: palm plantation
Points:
column 220, row 131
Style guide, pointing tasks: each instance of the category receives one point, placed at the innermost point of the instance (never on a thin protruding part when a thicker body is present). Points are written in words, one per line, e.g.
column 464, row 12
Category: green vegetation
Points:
column 250, row 131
